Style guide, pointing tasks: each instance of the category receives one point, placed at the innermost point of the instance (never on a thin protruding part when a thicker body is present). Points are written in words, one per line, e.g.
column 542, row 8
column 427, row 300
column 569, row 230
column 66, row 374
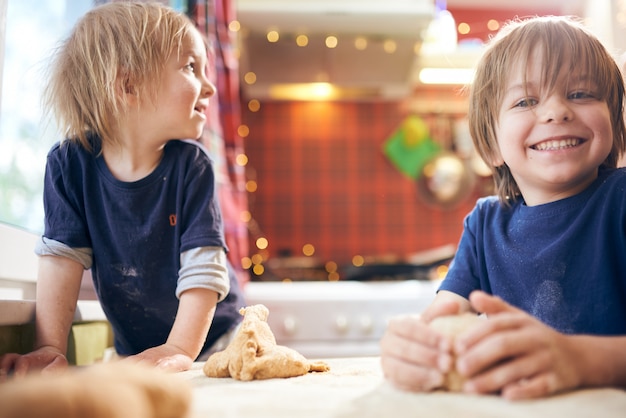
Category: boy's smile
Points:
column 556, row 144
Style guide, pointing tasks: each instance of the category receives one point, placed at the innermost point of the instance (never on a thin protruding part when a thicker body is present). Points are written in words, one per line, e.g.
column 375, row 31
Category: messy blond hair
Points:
column 563, row 42
column 113, row 48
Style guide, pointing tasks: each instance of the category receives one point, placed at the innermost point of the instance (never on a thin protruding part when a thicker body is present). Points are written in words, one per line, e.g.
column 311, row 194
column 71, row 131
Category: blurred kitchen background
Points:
column 340, row 139
column 357, row 150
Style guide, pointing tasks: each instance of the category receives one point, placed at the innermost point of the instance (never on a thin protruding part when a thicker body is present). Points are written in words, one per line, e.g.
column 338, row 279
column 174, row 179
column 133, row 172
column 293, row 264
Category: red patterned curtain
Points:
column 224, row 118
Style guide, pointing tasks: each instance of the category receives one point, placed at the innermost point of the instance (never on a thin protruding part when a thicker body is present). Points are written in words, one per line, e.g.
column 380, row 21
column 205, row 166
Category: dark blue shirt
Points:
column 563, row 262
column 137, row 232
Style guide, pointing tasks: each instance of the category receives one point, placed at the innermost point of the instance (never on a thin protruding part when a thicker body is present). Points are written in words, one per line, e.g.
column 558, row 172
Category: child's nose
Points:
column 556, row 109
column 208, row 88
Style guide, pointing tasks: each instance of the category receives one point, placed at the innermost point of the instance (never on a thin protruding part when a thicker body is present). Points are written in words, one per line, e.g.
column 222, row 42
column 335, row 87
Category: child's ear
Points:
column 129, row 87
column 496, row 159
column 125, row 88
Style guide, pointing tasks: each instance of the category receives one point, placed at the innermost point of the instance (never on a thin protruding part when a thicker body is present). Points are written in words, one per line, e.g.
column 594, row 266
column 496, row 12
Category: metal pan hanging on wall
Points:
column 445, row 181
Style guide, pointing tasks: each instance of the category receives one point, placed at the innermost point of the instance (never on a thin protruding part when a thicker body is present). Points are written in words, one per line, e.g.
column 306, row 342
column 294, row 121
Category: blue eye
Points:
column 526, row 102
column 581, row 95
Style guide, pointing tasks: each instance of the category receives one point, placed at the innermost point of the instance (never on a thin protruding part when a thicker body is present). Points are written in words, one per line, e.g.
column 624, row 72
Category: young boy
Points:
column 545, row 260
column 127, row 197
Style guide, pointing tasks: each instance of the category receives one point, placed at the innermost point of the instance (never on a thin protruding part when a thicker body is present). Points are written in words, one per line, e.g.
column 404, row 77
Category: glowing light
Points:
column 234, row 26
column 417, row 48
column 302, row 40
column 331, row 41
column 251, row 186
column 463, row 28
column 262, row 243
column 308, row 250
column 358, row 260
column 360, row 43
column 446, row 75
column 390, row 46
column 243, row 131
column 442, row 271
column 245, row 216
column 331, row 267
column 249, row 77
column 241, row 160
column 311, row 91
column 254, row 105
column 493, row 25
column 258, row 269
column 246, row 263
column 273, row 36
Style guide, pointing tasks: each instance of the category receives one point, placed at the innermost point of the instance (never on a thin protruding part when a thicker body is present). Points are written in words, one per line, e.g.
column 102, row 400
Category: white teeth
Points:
column 556, row 144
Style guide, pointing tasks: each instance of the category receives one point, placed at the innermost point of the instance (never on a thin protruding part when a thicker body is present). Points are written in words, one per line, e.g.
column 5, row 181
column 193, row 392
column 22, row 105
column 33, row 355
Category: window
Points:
column 32, row 31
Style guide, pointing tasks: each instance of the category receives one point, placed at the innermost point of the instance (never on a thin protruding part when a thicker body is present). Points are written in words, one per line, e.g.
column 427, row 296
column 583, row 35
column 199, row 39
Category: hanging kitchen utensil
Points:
column 446, row 180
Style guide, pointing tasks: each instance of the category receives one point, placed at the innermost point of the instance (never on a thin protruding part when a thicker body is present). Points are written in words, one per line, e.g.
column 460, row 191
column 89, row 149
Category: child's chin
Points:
column 194, row 134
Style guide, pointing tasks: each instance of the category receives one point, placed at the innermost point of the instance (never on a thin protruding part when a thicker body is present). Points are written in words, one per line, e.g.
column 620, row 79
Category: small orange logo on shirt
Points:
column 173, row 219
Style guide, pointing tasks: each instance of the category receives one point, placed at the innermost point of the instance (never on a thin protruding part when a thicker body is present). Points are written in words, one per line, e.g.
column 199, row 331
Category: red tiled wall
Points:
column 323, row 180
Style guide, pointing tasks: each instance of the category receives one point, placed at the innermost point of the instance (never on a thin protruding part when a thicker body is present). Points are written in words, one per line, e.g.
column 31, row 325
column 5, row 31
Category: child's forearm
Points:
column 193, row 320
column 58, row 285
column 601, row 360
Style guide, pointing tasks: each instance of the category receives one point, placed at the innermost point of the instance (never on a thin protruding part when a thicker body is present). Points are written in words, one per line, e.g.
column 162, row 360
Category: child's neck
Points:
column 131, row 163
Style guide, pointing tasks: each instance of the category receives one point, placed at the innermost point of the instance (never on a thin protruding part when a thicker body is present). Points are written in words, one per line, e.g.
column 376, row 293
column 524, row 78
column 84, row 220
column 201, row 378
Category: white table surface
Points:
column 355, row 387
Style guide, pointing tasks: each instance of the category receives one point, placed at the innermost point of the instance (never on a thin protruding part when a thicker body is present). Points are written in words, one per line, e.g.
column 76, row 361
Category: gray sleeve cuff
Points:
column 47, row 246
column 204, row 267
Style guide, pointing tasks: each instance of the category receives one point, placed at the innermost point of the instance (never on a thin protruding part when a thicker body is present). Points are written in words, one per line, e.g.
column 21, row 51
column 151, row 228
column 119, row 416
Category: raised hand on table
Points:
column 166, row 357
column 45, row 359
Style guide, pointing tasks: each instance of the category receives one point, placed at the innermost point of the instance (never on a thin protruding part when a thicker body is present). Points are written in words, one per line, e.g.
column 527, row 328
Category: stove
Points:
column 337, row 319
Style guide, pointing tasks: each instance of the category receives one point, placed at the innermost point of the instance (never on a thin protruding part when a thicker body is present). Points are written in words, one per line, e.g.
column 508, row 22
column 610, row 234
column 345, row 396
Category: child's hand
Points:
column 413, row 356
column 45, row 359
column 514, row 353
column 165, row 357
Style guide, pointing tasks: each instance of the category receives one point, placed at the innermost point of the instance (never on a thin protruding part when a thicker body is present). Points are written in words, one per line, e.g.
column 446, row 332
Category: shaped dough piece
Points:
column 254, row 354
column 107, row 390
column 451, row 326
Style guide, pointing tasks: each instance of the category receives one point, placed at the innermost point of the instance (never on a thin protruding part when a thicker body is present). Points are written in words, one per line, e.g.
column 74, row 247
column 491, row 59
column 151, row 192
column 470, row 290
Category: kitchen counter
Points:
column 20, row 312
column 90, row 335
column 355, row 387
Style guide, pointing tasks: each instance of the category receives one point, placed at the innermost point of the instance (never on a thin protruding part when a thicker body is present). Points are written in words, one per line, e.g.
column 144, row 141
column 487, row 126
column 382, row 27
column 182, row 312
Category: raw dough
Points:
column 451, row 326
column 106, row 390
column 254, row 354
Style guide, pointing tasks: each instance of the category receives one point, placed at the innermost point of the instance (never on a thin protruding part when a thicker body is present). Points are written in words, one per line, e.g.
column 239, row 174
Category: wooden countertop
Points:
column 355, row 387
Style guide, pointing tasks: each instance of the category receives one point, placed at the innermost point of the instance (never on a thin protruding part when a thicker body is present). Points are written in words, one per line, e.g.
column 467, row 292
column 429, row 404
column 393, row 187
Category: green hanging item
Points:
column 410, row 147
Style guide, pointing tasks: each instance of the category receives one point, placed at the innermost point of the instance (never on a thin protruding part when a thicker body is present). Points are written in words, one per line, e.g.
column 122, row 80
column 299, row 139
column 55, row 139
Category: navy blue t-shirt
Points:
column 563, row 262
column 137, row 232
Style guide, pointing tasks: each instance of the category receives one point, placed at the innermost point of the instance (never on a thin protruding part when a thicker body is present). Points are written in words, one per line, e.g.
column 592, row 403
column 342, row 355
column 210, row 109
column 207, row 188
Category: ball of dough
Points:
column 451, row 326
column 253, row 354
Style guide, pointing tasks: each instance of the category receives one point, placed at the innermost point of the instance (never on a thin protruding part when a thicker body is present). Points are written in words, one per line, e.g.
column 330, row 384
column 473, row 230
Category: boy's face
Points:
column 182, row 97
column 552, row 141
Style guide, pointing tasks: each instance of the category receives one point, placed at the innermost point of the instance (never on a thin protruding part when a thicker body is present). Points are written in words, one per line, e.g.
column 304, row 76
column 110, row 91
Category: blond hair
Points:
column 116, row 47
column 562, row 42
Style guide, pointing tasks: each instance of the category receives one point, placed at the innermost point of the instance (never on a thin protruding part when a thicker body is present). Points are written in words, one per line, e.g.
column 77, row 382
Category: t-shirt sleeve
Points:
column 202, row 217
column 462, row 277
column 204, row 267
column 64, row 210
column 46, row 246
